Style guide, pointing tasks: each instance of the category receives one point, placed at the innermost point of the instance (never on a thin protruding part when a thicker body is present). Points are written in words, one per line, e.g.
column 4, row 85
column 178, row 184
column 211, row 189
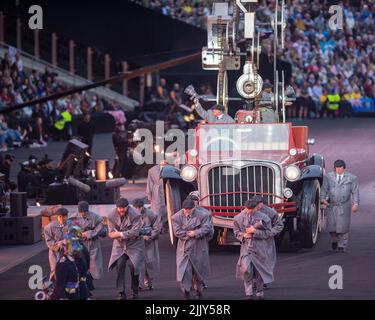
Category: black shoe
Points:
column 340, row 250
column 198, row 295
column 265, row 286
column 334, row 246
column 121, row 296
column 150, row 287
column 135, row 295
column 260, row 295
column 187, row 295
column 164, row 230
column 205, row 286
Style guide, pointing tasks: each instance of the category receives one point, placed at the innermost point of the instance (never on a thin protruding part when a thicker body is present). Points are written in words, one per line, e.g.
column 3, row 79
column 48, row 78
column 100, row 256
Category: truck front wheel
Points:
column 310, row 212
column 173, row 204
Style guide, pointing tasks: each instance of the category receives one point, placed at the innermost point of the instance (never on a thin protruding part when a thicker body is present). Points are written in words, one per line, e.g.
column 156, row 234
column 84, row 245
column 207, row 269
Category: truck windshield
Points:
column 242, row 138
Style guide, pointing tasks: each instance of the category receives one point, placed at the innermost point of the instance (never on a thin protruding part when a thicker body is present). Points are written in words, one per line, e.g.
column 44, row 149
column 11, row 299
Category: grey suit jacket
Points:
column 210, row 118
column 341, row 197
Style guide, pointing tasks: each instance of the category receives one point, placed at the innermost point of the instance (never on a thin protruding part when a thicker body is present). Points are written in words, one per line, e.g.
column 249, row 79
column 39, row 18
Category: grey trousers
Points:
column 251, row 277
column 191, row 280
column 164, row 218
column 145, row 279
column 120, row 279
column 340, row 238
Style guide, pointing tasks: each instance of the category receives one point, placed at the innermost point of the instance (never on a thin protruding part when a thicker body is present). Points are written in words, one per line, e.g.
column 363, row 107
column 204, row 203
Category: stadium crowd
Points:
column 333, row 70
column 193, row 12
column 32, row 126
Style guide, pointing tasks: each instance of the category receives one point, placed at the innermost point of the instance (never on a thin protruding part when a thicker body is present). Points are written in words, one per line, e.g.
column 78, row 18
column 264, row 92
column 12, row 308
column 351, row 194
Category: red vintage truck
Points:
column 230, row 163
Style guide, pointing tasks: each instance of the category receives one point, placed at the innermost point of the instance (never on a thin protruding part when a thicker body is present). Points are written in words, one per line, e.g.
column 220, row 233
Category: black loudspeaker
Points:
column 18, row 204
column 20, row 230
column 8, row 230
column 61, row 194
column 99, row 194
column 109, row 196
column 73, row 158
column 76, row 148
column 29, row 229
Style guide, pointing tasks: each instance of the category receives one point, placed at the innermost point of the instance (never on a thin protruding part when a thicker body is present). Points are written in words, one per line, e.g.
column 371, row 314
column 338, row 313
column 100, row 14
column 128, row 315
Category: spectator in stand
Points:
column 333, row 103
column 38, row 112
column 86, row 130
column 5, row 97
column 208, row 92
column 176, row 94
column 315, row 92
column 369, row 88
column 48, row 74
column 3, row 145
column 176, row 98
column 96, row 104
column 28, row 135
column 76, row 104
column 8, row 137
column 162, row 92
column 345, row 107
column 40, row 136
column 116, row 112
column 85, row 104
column 303, row 104
column 292, row 109
column 5, row 64
column 122, row 167
column 62, row 125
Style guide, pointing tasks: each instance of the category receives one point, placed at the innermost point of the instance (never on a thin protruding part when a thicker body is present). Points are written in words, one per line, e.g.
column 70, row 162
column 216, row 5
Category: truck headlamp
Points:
column 292, row 173
column 288, row 193
column 193, row 152
column 189, row 173
column 248, row 119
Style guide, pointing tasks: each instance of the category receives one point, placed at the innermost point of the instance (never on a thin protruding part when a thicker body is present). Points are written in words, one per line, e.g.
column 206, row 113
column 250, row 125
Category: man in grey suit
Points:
column 340, row 193
column 150, row 232
column 277, row 225
column 192, row 227
column 124, row 226
column 255, row 263
column 265, row 105
column 214, row 115
column 54, row 238
column 92, row 230
column 155, row 194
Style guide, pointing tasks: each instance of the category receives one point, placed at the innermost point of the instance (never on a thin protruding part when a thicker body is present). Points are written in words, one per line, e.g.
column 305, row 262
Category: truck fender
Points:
column 316, row 159
column 312, row 172
column 170, row 172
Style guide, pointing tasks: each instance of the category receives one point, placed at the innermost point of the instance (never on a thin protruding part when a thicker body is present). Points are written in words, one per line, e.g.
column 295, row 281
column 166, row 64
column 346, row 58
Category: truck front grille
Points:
column 227, row 179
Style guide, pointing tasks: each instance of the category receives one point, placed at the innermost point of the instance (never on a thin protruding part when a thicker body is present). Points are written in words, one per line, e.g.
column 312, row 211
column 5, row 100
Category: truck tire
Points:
column 310, row 213
column 213, row 243
column 173, row 204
